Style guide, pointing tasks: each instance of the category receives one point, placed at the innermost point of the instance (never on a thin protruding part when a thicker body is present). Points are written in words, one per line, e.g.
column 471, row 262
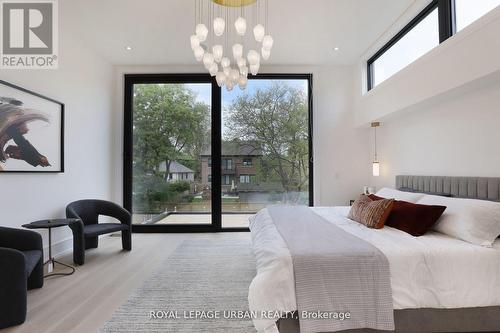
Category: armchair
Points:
column 86, row 231
column 21, row 268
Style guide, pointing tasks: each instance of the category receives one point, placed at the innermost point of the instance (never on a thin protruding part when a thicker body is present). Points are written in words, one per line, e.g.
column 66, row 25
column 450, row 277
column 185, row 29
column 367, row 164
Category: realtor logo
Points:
column 29, row 34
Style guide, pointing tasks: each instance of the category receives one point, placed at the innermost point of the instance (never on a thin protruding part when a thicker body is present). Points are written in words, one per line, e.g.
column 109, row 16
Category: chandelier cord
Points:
column 258, row 10
column 242, row 14
column 230, row 27
column 267, row 16
column 226, row 35
column 210, row 22
column 254, row 13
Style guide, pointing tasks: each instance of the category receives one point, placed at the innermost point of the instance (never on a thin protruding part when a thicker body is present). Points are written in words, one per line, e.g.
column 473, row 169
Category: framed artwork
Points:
column 31, row 131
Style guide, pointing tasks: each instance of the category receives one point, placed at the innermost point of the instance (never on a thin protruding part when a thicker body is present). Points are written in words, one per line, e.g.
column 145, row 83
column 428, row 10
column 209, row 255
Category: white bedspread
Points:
column 431, row 271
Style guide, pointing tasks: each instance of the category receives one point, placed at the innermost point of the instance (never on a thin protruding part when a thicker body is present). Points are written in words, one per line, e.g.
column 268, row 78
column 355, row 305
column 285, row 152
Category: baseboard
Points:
column 59, row 249
column 65, row 246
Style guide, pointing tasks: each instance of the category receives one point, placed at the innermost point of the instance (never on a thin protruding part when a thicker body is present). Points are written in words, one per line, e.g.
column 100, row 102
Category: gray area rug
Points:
column 207, row 275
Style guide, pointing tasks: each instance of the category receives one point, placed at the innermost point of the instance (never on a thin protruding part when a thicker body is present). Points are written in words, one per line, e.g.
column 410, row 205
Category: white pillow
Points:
column 389, row 193
column 474, row 221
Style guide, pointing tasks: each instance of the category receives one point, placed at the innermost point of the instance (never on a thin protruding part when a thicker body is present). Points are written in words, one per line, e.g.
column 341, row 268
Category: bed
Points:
column 439, row 283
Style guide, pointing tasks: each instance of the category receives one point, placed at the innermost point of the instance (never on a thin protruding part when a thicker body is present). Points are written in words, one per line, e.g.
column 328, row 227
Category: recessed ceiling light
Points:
column 336, row 48
column 128, row 48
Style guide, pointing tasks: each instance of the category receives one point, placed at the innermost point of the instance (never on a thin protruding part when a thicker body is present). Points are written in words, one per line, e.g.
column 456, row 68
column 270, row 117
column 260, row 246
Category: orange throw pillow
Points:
column 372, row 214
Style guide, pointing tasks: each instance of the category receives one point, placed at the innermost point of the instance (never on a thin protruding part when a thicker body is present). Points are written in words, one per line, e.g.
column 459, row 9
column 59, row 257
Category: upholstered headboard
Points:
column 483, row 188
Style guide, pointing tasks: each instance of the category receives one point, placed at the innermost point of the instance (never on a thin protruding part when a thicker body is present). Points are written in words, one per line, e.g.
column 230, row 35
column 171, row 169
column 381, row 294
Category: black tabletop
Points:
column 48, row 224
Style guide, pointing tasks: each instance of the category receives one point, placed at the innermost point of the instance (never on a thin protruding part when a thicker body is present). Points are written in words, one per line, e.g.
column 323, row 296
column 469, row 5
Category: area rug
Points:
column 201, row 287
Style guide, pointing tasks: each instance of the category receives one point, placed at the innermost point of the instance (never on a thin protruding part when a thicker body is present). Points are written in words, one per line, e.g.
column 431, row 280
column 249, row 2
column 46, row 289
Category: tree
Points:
column 277, row 119
column 169, row 125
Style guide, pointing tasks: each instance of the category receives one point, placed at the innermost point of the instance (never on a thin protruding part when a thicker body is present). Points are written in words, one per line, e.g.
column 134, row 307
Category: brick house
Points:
column 240, row 160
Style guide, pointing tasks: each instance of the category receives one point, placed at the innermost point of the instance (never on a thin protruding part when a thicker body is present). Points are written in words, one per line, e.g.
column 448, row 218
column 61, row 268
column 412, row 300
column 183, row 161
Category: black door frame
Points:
column 216, row 109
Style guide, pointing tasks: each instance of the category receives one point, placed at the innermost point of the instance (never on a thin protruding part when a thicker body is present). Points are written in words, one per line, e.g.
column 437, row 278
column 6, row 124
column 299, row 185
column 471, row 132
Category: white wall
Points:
column 440, row 114
column 84, row 82
column 458, row 136
column 341, row 157
column 341, row 154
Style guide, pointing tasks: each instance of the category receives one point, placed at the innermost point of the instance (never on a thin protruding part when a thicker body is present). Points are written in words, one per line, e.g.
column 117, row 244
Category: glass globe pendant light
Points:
column 201, row 32
column 218, row 51
column 265, row 53
column 241, row 62
column 241, row 26
column 219, row 26
column 213, row 70
column 208, row 60
column 242, row 81
column 244, row 71
column 237, row 51
column 220, row 77
column 268, row 42
column 253, row 57
column 225, row 62
column 198, row 53
column 254, row 69
column 234, row 74
column 195, row 42
column 258, row 32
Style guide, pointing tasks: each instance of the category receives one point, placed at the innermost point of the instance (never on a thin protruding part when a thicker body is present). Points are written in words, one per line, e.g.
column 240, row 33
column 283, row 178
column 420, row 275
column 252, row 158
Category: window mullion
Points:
column 447, row 24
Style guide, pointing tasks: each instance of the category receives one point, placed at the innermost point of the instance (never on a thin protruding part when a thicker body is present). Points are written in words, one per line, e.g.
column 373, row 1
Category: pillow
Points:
column 370, row 213
column 389, row 193
column 411, row 218
column 474, row 221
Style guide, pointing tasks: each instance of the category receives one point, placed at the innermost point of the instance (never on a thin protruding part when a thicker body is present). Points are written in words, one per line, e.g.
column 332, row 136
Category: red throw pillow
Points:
column 412, row 218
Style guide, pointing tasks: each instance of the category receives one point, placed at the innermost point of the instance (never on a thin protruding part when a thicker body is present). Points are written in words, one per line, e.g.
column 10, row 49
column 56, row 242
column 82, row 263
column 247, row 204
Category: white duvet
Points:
column 431, row 271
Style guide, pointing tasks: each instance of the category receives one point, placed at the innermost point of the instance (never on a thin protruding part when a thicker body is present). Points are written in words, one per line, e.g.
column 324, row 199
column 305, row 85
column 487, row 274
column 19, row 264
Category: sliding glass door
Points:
column 265, row 147
column 200, row 158
column 168, row 129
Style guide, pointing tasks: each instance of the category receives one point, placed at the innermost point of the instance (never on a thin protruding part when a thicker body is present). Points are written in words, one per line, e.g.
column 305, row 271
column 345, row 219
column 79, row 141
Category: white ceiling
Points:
column 305, row 31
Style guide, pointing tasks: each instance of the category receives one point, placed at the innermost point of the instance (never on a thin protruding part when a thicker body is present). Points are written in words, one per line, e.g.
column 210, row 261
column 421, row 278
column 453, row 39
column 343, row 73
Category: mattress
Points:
column 431, row 271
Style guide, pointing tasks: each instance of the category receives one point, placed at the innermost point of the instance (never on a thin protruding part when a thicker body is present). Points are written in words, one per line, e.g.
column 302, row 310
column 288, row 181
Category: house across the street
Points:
column 177, row 172
column 240, row 160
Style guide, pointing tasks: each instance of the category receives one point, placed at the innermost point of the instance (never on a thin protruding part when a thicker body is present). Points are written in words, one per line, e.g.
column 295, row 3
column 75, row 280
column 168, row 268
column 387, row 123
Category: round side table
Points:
column 49, row 224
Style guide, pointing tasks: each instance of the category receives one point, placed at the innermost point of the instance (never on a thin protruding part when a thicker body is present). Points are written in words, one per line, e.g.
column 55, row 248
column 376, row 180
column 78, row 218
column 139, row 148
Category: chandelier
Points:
column 223, row 43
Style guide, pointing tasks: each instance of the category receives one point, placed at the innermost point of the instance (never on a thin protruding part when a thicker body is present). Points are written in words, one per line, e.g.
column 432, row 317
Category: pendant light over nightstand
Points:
column 376, row 163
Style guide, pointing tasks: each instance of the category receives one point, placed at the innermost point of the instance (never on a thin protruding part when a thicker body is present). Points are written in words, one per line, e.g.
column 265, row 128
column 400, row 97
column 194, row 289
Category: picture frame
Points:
column 31, row 131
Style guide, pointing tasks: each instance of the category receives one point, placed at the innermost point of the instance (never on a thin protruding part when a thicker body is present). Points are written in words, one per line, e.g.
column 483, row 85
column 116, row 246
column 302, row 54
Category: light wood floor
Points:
column 84, row 301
